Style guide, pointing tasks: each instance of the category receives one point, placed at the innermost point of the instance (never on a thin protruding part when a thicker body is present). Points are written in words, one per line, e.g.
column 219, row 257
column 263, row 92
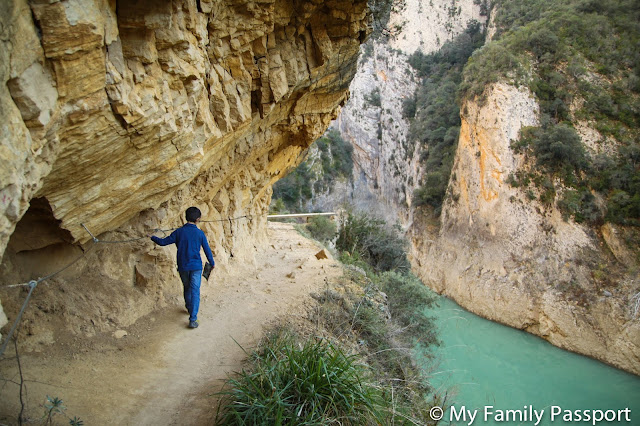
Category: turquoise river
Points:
column 487, row 368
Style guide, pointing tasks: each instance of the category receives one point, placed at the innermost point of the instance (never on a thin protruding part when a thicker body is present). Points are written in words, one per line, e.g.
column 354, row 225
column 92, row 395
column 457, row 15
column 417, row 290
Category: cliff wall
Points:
column 118, row 115
column 387, row 166
column 509, row 258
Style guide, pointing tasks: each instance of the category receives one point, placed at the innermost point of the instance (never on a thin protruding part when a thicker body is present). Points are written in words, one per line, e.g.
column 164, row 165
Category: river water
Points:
column 491, row 368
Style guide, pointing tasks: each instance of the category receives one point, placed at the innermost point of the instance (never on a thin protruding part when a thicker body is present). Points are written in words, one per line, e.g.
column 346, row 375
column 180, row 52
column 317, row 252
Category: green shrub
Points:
column 322, row 228
column 435, row 114
column 295, row 188
column 557, row 148
column 373, row 98
column 373, row 241
column 277, row 206
column 408, row 298
column 293, row 383
column 580, row 205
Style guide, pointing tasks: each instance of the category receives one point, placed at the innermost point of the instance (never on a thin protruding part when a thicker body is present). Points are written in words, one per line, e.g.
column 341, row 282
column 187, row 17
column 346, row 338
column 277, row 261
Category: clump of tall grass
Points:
column 293, row 383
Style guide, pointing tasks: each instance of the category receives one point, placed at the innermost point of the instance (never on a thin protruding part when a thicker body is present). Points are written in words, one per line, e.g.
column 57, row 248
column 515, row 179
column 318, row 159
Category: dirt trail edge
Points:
column 161, row 372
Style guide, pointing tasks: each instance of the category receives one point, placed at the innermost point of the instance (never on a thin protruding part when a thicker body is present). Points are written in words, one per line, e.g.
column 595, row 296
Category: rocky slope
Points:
column 119, row 115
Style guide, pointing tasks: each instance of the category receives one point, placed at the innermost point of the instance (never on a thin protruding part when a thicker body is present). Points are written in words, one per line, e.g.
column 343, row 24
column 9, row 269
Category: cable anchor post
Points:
column 95, row 240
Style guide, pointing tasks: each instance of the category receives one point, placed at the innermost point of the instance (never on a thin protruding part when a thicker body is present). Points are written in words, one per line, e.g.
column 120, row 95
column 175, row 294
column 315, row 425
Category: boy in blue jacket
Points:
column 188, row 240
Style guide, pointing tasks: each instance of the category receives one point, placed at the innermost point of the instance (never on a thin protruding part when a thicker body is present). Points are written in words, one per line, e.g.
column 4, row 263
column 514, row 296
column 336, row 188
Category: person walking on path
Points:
column 189, row 239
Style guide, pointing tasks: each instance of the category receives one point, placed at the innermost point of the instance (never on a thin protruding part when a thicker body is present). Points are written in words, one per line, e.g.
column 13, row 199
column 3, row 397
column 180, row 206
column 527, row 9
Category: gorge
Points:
column 504, row 242
column 118, row 115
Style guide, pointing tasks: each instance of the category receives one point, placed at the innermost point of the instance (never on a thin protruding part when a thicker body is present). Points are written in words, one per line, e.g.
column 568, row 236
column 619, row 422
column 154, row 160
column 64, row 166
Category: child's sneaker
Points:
column 193, row 324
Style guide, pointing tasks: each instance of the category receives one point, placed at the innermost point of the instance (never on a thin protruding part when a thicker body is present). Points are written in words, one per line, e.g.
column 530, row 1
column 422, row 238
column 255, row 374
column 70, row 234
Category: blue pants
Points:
column 191, row 283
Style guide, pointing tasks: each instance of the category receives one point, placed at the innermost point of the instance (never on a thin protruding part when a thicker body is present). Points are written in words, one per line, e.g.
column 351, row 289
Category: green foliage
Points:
column 373, row 98
column 293, row 383
column 580, row 204
column 278, row 207
column 295, row 188
column 557, row 149
column 407, row 300
column 54, row 406
column 386, row 342
column 373, row 241
column 322, row 228
column 575, row 52
column 409, row 107
column 435, row 113
column 336, row 158
column 298, row 187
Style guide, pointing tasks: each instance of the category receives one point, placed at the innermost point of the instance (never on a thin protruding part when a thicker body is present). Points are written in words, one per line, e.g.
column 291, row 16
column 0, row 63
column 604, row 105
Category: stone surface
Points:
column 515, row 260
column 387, row 169
column 119, row 118
column 321, row 255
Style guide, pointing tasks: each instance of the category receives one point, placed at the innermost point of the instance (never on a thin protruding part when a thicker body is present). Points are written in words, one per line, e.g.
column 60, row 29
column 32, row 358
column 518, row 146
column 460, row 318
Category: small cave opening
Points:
column 38, row 245
column 38, row 228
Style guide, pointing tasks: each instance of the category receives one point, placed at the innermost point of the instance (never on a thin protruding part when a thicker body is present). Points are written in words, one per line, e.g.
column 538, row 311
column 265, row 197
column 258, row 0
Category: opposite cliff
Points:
column 521, row 201
column 118, row 115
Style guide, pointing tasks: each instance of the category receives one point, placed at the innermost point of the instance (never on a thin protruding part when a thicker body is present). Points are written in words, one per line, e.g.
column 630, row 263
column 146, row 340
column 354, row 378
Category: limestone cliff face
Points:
column 513, row 260
column 119, row 114
column 387, row 167
column 383, row 178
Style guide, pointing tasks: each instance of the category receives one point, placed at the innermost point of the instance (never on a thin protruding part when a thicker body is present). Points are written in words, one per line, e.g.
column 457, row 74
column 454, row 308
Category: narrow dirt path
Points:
column 163, row 373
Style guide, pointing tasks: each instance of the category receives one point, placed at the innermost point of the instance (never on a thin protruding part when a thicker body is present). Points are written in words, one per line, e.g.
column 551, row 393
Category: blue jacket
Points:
column 188, row 239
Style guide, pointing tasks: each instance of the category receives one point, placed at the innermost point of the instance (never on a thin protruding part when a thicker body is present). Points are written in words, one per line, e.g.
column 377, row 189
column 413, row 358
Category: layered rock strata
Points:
column 117, row 115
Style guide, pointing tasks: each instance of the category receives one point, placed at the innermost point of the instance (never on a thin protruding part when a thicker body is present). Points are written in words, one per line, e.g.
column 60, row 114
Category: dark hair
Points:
column 193, row 214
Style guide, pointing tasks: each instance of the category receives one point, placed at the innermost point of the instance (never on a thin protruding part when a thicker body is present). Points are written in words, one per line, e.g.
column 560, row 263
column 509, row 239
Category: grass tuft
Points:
column 290, row 382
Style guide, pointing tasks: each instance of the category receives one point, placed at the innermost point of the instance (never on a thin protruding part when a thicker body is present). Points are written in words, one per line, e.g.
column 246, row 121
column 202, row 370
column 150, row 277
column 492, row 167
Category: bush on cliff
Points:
column 322, row 228
column 580, row 59
column 371, row 240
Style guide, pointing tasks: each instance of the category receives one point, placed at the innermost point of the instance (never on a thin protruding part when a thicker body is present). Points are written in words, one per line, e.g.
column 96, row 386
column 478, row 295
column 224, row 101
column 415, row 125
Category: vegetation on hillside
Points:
column 434, row 112
column 353, row 362
column 364, row 238
column 581, row 60
column 315, row 175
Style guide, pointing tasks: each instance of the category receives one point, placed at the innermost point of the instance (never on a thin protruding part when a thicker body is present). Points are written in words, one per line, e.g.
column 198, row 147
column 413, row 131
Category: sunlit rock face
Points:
column 508, row 257
column 110, row 107
column 117, row 115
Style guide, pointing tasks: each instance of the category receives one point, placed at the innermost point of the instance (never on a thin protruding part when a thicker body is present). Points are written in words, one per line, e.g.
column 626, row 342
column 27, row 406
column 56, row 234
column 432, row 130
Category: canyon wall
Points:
column 386, row 165
column 506, row 256
column 118, row 115
column 496, row 249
